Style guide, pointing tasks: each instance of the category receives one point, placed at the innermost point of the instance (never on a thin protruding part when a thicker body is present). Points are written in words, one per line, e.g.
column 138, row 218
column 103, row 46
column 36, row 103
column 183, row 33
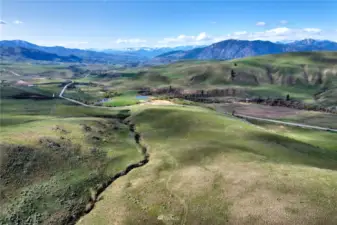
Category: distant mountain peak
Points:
column 308, row 41
column 231, row 49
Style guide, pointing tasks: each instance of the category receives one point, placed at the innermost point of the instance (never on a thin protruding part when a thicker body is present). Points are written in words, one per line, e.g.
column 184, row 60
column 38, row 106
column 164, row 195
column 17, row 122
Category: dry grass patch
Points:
column 276, row 194
column 193, row 180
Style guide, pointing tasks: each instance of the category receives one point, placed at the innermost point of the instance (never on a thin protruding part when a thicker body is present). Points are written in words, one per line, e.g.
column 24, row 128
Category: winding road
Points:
column 72, row 100
column 236, row 115
column 81, row 103
column 16, row 74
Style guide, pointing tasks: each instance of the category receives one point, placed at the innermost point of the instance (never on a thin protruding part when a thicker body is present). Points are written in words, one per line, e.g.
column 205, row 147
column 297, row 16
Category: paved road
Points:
column 286, row 123
column 83, row 104
column 237, row 115
column 16, row 74
column 72, row 100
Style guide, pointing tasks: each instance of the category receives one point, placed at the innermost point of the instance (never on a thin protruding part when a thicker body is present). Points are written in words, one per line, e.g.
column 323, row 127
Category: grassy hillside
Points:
column 310, row 76
column 206, row 168
column 53, row 155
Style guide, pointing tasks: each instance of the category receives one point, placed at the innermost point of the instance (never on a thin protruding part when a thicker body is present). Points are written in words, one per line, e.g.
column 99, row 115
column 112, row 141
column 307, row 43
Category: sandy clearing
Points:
column 158, row 102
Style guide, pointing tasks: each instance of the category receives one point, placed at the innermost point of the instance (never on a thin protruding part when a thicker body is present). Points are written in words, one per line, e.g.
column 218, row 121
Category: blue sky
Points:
column 120, row 24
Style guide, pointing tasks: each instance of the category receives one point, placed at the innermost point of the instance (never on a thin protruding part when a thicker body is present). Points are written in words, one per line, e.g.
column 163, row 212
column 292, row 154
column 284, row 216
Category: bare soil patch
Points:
column 264, row 111
column 158, row 102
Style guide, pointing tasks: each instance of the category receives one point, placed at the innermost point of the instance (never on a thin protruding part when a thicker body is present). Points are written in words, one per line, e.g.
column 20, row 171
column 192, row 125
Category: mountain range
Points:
column 232, row 49
column 23, row 53
column 149, row 52
column 19, row 50
column 86, row 56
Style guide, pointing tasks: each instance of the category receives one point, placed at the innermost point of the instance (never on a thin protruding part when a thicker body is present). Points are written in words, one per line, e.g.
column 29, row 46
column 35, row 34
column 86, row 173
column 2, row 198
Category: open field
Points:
column 121, row 101
column 280, row 113
column 199, row 173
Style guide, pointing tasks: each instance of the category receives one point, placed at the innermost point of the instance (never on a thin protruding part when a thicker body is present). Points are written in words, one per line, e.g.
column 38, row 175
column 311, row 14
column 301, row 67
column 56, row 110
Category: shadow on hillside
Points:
column 264, row 148
column 323, row 57
column 192, row 143
column 282, row 149
column 196, row 154
column 175, row 123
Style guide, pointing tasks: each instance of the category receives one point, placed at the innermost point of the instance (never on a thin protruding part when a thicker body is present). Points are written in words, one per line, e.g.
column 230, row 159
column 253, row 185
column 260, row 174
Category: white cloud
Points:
column 17, row 22
column 312, row 30
column 277, row 34
column 283, row 22
column 203, row 37
column 279, row 30
column 182, row 39
column 2, row 22
column 261, row 24
column 281, row 33
column 240, row 33
column 213, row 22
column 130, row 41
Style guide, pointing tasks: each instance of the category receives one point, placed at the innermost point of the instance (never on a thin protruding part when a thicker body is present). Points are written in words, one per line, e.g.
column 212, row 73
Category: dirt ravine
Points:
column 102, row 187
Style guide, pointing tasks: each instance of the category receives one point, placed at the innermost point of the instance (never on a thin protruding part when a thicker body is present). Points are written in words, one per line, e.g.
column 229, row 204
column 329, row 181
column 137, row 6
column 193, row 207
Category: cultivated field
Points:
column 280, row 113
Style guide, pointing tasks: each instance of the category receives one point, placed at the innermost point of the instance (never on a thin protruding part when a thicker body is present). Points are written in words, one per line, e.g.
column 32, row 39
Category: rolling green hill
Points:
column 206, row 168
column 53, row 155
column 311, row 77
